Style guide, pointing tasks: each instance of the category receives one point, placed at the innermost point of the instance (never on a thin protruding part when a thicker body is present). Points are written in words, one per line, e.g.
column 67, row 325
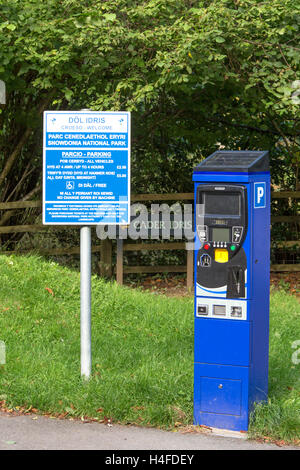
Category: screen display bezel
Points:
column 227, row 221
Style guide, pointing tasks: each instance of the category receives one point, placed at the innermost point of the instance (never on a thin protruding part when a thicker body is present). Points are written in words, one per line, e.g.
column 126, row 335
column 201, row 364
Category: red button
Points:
column 206, row 246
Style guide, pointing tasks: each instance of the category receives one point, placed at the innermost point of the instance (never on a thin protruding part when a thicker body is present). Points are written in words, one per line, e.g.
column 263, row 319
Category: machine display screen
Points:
column 222, row 204
column 220, row 234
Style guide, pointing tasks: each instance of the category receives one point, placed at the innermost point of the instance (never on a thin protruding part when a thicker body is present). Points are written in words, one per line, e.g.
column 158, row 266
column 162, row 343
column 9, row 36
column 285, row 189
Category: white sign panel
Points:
column 86, row 177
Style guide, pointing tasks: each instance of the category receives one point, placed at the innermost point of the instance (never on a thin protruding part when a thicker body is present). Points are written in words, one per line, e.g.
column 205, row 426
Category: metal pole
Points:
column 85, row 302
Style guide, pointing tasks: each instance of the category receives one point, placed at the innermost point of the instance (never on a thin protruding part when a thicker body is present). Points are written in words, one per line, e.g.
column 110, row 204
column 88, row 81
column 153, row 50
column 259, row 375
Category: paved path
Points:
column 34, row 432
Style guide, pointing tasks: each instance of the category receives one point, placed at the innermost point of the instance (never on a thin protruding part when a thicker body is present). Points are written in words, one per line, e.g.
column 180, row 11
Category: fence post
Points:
column 120, row 261
column 105, row 264
column 2, row 101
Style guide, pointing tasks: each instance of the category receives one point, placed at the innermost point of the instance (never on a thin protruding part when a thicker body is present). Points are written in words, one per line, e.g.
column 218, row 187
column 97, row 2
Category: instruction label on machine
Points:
column 86, row 168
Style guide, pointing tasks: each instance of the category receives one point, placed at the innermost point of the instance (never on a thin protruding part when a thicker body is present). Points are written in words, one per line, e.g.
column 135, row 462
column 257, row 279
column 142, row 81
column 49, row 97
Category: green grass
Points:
column 142, row 351
column 142, row 347
column 280, row 417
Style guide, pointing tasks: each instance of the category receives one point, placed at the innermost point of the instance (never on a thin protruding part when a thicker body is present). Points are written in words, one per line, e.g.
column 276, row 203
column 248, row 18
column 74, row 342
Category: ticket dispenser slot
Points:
column 235, row 282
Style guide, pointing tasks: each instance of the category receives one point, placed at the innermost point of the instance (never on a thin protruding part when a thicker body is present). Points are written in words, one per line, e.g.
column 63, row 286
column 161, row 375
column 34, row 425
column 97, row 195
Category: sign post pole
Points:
column 86, row 181
column 85, row 302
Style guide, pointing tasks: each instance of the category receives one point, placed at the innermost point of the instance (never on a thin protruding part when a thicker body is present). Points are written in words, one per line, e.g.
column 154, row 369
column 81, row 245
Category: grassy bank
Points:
column 142, row 351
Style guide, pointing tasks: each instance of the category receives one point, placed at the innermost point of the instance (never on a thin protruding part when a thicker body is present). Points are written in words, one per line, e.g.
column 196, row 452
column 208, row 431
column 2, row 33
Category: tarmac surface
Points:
column 36, row 432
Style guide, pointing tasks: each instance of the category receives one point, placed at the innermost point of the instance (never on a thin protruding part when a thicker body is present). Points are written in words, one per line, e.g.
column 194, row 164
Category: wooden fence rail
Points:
column 145, row 198
column 105, row 248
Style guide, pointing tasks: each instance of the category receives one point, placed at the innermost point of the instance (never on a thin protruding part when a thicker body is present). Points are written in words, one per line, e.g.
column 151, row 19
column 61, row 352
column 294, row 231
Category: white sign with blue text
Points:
column 260, row 195
column 86, row 177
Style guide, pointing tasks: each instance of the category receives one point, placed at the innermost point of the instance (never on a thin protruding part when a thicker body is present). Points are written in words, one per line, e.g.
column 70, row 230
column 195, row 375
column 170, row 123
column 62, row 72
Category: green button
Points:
column 232, row 247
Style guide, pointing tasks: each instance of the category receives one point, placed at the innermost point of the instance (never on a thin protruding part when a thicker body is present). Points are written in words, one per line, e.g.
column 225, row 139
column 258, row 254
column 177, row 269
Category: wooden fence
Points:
column 105, row 248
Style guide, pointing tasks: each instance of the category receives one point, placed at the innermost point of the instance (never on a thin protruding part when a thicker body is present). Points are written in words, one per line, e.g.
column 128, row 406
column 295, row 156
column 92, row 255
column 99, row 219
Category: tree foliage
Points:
column 195, row 74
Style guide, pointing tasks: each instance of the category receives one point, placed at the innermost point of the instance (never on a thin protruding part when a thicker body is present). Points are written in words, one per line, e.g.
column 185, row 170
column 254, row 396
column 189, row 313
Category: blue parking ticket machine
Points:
column 232, row 271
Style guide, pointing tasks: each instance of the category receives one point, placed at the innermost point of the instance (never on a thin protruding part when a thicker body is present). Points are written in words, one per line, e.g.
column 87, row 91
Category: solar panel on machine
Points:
column 235, row 161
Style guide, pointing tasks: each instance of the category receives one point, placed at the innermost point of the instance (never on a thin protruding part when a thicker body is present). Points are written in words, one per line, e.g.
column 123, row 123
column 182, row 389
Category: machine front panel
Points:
column 222, row 231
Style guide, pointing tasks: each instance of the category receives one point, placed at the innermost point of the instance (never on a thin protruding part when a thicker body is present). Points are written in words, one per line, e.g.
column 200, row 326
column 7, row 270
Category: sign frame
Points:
column 108, row 204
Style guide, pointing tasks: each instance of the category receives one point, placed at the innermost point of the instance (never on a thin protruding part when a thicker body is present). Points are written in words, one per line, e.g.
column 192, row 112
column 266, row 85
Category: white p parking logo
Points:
column 259, row 195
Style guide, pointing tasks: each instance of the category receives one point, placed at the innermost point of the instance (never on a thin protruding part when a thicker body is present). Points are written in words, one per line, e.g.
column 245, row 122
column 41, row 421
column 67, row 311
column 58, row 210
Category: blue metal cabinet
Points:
column 232, row 262
column 221, row 395
column 222, row 342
